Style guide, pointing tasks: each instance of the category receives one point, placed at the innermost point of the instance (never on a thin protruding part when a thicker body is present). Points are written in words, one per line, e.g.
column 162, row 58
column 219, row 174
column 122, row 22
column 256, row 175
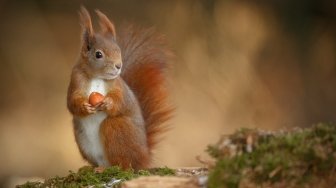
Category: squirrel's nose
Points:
column 118, row 66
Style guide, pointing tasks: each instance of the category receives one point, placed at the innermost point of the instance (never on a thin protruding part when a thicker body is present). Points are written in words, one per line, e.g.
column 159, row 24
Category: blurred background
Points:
column 264, row 64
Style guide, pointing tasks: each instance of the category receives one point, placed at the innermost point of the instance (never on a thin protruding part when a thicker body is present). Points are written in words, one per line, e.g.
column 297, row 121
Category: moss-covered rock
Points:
column 88, row 177
column 296, row 158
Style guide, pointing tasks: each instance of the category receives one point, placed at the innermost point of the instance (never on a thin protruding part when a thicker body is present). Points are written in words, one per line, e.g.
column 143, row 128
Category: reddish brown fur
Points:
column 121, row 140
column 144, row 64
column 117, row 97
column 76, row 98
column 106, row 24
column 120, row 137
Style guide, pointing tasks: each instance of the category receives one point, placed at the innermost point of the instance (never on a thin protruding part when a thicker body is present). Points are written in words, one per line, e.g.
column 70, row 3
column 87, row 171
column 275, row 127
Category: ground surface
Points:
column 246, row 159
column 115, row 177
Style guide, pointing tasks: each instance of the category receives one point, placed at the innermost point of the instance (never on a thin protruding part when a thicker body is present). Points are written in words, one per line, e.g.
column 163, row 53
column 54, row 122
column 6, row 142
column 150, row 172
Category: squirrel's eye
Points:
column 99, row 54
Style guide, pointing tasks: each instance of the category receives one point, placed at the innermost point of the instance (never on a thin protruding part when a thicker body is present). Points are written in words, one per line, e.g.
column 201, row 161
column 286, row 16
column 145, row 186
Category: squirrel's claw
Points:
column 89, row 108
column 106, row 104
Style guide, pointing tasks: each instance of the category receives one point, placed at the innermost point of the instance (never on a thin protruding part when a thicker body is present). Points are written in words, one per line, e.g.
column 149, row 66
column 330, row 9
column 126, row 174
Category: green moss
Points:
column 165, row 171
column 86, row 176
column 294, row 157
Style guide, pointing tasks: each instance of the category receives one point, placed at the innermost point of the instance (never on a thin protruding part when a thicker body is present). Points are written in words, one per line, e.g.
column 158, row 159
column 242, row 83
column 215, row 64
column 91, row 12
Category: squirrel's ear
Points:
column 88, row 35
column 105, row 24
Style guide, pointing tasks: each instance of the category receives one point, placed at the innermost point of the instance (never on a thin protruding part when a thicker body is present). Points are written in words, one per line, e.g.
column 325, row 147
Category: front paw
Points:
column 106, row 104
column 87, row 108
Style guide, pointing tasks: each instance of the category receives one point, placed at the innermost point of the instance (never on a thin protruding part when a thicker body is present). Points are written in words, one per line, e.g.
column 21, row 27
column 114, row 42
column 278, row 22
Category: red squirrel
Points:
column 130, row 71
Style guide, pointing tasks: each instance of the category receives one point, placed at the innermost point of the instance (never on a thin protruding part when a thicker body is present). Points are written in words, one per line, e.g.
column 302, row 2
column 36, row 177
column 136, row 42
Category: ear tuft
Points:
column 86, row 23
column 105, row 24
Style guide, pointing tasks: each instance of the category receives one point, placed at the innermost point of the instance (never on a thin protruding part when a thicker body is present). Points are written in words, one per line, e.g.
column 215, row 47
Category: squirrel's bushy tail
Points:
column 145, row 64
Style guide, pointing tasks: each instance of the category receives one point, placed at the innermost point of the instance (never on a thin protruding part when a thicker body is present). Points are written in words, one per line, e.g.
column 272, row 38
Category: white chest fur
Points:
column 97, row 85
column 89, row 139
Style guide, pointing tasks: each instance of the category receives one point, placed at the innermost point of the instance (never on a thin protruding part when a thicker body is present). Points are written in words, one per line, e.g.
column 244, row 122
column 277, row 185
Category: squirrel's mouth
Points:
column 112, row 75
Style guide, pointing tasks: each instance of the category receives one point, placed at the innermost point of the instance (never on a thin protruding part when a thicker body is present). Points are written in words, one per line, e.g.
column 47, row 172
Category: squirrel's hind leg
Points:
column 124, row 143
